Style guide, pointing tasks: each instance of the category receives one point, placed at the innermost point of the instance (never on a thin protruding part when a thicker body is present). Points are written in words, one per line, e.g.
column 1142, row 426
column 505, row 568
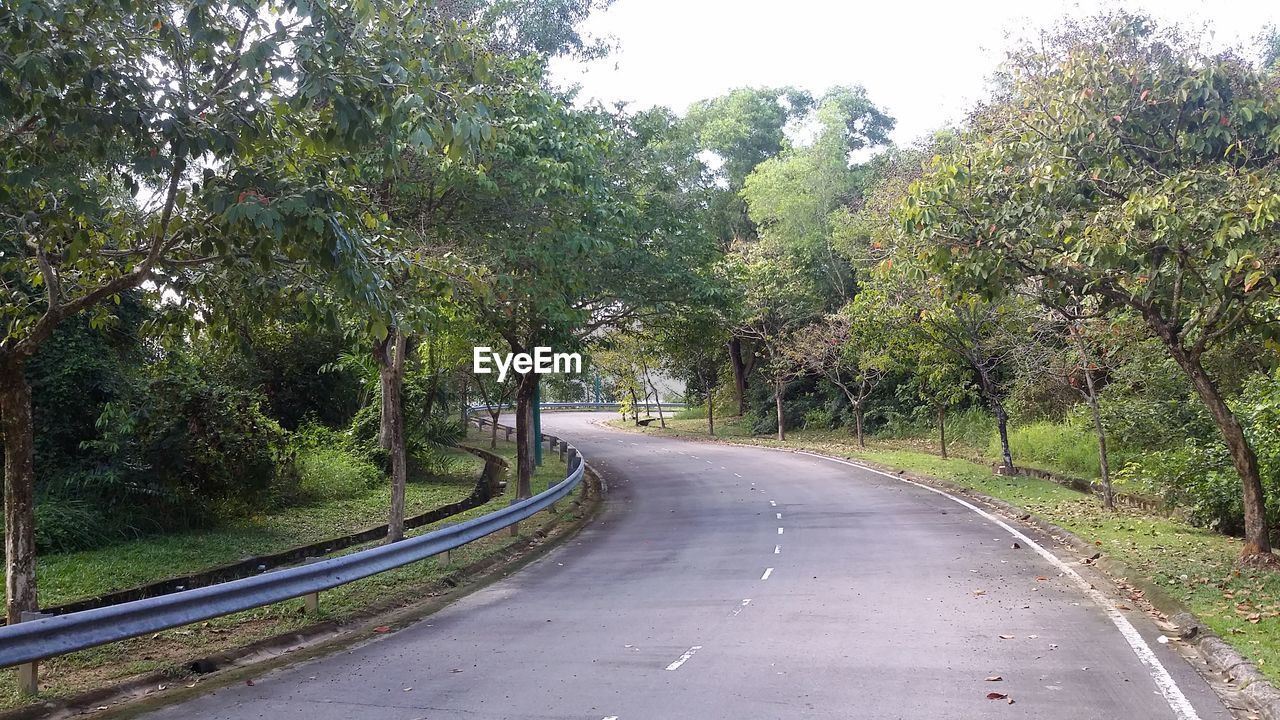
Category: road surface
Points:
column 744, row 584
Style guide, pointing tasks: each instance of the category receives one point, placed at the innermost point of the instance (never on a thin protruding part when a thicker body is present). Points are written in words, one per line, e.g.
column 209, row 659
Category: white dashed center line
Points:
column 777, row 549
column 773, row 504
column 684, row 658
column 740, row 608
column 779, row 515
column 779, row 531
column 767, row 573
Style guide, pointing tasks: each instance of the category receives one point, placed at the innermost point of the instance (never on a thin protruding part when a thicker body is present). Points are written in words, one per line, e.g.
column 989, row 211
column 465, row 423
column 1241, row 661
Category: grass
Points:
column 1193, row 566
column 70, row 576
column 171, row 651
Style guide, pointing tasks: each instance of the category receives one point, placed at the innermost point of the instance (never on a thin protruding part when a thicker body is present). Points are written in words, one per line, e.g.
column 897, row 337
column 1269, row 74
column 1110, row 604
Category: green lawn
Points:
column 1193, row 566
column 171, row 650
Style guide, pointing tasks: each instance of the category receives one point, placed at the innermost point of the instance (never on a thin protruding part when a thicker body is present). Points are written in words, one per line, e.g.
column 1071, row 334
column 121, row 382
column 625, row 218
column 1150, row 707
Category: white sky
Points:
column 924, row 62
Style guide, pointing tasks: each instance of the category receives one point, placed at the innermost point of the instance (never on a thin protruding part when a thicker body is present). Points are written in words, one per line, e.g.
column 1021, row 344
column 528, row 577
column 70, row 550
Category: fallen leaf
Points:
column 1006, row 637
column 997, row 696
column 1041, row 578
column 382, row 629
column 1122, row 606
column 994, row 678
column 249, row 683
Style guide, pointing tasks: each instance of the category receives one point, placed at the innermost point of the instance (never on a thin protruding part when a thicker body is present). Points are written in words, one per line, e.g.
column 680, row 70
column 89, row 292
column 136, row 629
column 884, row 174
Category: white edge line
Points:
column 767, row 573
column 1168, row 687
column 684, row 658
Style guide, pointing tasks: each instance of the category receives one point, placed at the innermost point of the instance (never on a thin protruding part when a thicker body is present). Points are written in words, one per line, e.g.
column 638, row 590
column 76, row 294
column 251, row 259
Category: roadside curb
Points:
column 140, row 694
column 1220, row 658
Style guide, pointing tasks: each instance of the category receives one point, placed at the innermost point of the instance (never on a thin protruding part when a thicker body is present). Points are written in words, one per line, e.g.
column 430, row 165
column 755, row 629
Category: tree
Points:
column 144, row 144
column 848, row 350
column 1127, row 169
column 778, row 299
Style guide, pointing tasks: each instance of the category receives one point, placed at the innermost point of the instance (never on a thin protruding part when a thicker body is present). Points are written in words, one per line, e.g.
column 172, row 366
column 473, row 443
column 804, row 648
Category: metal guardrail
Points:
column 42, row 638
column 580, row 405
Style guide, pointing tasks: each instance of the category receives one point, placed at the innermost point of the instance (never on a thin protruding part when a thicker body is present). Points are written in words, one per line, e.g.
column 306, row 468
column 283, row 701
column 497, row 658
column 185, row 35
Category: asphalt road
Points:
column 734, row 583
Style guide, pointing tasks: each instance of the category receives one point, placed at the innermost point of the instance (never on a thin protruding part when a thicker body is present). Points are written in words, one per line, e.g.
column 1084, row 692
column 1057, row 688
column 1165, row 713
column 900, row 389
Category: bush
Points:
column 1064, row 446
column 819, row 419
column 972, row 426
column 327, row 473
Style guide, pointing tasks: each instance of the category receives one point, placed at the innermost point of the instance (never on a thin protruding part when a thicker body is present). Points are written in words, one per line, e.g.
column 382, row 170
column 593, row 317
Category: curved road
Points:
column 725, row 582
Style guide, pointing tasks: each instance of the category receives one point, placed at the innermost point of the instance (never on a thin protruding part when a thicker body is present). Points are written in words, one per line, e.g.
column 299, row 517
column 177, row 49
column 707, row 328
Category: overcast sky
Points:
column 925, row 62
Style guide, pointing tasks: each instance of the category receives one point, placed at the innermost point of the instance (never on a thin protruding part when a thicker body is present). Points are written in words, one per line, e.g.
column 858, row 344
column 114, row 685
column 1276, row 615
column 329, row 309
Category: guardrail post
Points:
column 564, row 448
column 29, row 673
column 311, row 601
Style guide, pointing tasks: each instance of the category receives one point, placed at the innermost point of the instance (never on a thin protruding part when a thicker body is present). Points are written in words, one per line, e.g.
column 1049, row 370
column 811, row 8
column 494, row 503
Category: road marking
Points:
column 779, row 515
column 736, row 475
column 612, row 717
column 740, row 608
column 773, row 504
column 767, row 573
column 777, row 549
column 684, row 658
column 1168, row 687
column 779, row 531
column 710, row 463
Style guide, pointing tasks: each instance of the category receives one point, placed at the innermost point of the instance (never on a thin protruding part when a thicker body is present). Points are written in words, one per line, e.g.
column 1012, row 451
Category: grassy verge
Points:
column 1194, row 566
column 171, row 651
column 71, row 576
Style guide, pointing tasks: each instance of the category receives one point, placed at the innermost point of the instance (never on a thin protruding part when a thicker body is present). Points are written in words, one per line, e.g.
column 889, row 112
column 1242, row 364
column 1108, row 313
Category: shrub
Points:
column 819, row 419
column 1064, row 446
column 327, row 473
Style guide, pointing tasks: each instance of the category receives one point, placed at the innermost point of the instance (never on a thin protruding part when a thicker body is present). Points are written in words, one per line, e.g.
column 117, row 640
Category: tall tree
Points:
column 144, row 142
column 1128, row 169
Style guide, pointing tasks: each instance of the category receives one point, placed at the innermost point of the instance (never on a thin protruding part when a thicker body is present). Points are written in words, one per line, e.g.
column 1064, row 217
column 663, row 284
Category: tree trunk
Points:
column 1002, row 423
column 462, row 411
column 942, row 430
column 524, row 435
column 635, row 407
column 739, row 375
column 390, row 356
column 662, row 420
column 857, row 420
column 711, row 415
column 493, row 428
column 19, row 491
column 1257, row 542
column 777, row 401
column 1002, row 417
column 1104, row 469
